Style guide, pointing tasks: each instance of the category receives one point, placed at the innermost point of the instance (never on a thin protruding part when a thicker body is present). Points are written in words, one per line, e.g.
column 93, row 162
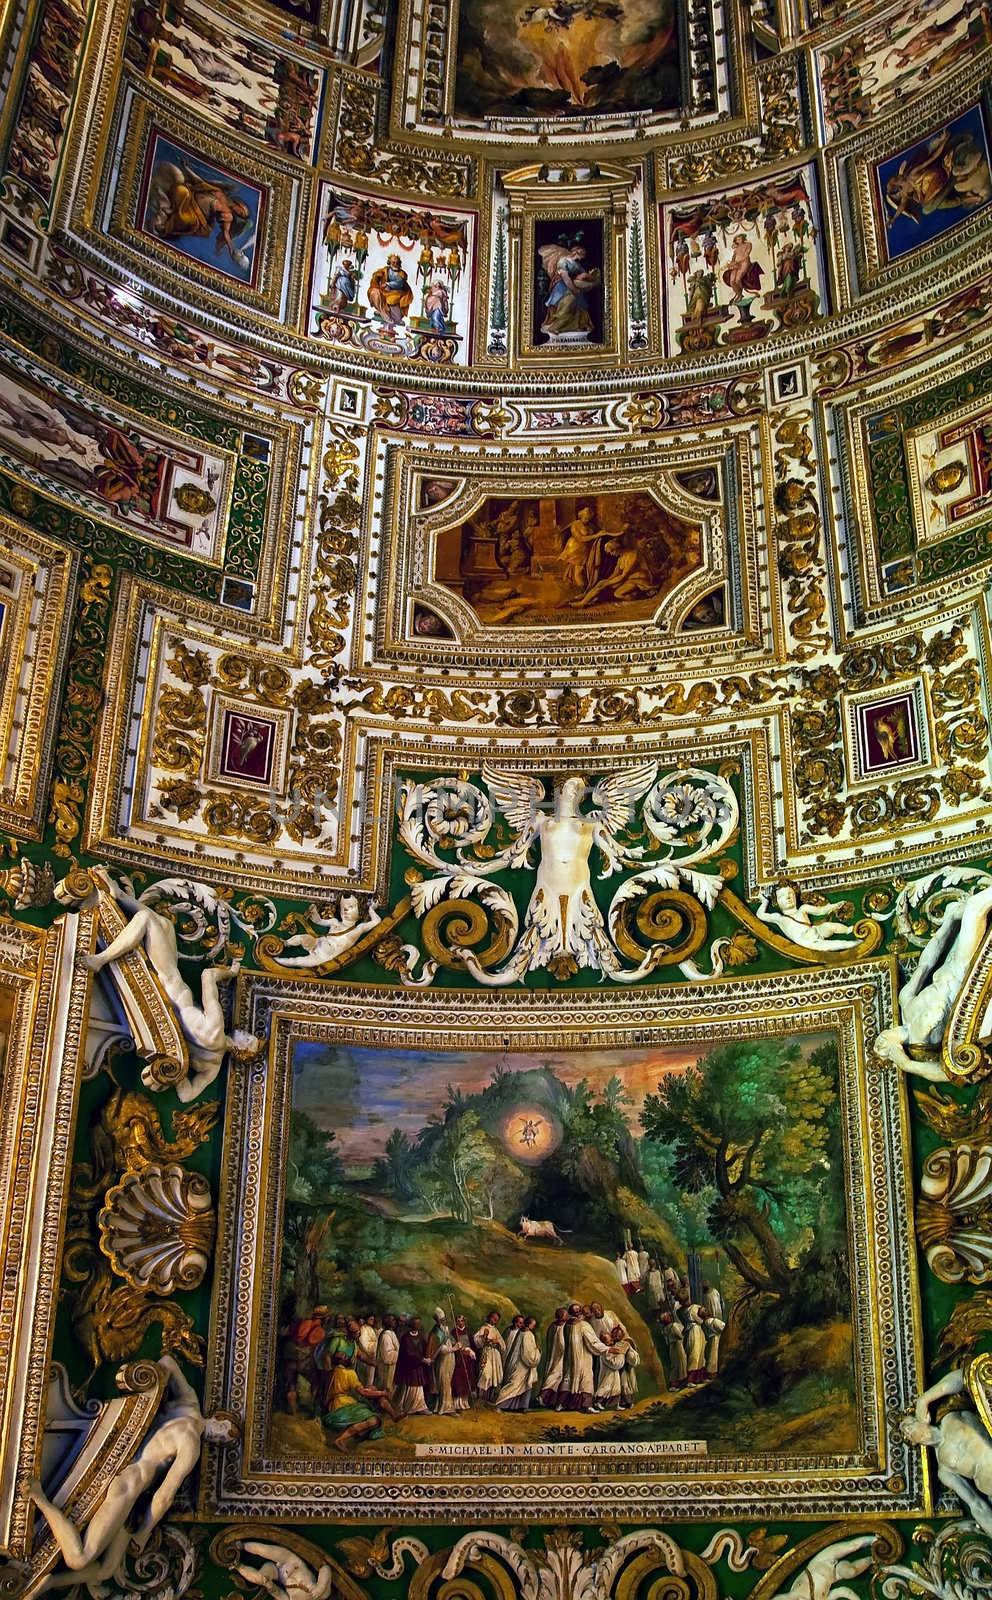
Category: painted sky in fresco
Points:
column 364, row 1094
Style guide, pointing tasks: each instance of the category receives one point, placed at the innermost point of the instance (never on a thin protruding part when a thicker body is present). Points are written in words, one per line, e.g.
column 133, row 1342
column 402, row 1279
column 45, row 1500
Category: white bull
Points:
column 540, row 1230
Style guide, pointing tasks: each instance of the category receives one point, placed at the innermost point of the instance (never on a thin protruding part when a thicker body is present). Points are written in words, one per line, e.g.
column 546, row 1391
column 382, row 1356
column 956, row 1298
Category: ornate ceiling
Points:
column 497, row 524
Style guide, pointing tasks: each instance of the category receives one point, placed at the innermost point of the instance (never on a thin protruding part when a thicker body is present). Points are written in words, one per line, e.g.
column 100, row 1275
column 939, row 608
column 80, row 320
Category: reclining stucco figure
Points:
column 169, row 1453
column 927, row 1000
column 203, row 1025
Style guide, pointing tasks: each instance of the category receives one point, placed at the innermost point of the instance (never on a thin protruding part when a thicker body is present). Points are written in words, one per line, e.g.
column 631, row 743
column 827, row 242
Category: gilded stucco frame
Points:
column 406, row 559
column 885, row 1477
column 729, row 556
column 850, row 179
column 845, row 419
column 38, row 1096
column 115, row 201
column 33, row 647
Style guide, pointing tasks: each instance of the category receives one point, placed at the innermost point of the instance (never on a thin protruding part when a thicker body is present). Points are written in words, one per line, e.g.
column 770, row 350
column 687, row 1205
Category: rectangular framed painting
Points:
column 887, row 732
column 583, row 1263
column 391, row 278
column 927, row 189
column 743, row 264
column 566, row 286
column 204, row 211
column 569, row 59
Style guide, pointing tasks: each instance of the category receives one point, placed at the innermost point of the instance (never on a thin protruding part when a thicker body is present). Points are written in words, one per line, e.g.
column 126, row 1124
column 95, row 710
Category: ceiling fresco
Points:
column 495, row 871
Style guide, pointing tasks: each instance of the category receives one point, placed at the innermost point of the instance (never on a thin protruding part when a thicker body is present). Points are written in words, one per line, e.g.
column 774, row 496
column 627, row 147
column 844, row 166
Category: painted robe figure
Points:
column 390, row 294
column 520, row 1372
column 695, row 1346
column 441, row 1352
column 672, row 1333
column 566, row 307
column 413, row 1372
column 463, row 1376
column 554, row 1359
column 182, row 204
column 578, row 1379
column 387, row 1352
column 492, row 1348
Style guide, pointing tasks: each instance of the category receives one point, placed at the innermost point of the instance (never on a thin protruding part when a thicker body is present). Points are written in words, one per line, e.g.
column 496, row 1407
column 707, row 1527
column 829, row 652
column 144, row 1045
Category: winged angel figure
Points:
column 688, row 815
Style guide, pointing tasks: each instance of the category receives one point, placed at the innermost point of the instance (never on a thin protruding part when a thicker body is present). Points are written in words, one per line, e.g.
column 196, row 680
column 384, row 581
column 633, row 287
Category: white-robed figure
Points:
column 713, row 1328
column 609, row 1367
column 712, row 1301
column 387, row 1352
column 654, row 1287
column 602, row 1323
column 674, row 1336
column 622, row 1272
column 633, row 1270
column 695, row 1356
column 443, row 1341
column 520, row 1371
column 628, row 1376
column 367, row 1347
column 578, row 1386
column 554, row 1358
column 492, row 1348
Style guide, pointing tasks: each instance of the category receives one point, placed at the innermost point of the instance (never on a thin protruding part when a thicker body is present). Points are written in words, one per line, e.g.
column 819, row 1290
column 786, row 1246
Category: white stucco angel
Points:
column 794, row 917
column 928, row 998
column 342, row 932
column 563, row 926
column 283, row 1574
column 167, row 1457
column 203, row 1024
column 961, row 1441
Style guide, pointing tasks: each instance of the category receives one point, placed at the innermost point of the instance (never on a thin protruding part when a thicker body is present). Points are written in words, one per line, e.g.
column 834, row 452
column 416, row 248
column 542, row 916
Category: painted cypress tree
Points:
column 497, row 303
column 638, row 311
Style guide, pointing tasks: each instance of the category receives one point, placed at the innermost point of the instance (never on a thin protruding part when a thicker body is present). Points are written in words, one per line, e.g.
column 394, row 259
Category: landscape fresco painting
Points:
column 645, row 1246
column 568, row 57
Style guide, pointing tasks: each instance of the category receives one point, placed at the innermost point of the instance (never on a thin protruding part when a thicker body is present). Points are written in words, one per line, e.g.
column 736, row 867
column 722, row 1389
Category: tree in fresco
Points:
column 314, row 1174
column 756, row 1121
column 395, row 1169
column 470, row 1175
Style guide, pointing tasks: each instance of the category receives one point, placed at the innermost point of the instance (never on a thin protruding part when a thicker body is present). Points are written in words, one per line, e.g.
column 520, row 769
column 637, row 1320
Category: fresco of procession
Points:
column 592, row 1246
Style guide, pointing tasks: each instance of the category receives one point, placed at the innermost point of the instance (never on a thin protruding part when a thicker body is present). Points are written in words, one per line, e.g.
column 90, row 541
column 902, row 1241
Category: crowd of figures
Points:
column 690, row 1329
column 351, row 1371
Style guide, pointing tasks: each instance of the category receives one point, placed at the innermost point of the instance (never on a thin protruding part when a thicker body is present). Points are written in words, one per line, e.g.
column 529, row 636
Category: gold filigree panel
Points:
column 36, row 577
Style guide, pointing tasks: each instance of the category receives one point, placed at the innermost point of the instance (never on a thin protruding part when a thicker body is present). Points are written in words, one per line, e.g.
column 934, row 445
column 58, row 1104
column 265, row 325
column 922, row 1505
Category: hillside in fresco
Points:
column 635, row 1184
